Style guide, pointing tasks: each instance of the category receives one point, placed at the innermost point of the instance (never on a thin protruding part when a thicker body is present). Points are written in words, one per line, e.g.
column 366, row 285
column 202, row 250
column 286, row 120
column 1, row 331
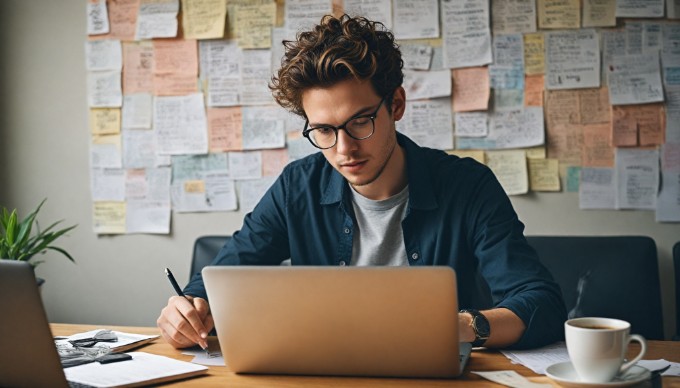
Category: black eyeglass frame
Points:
column 372, row 116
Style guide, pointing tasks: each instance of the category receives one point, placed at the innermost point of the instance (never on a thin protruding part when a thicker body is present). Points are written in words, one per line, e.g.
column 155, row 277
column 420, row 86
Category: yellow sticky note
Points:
column 194, row 186
column 544, row 174
column 559, row 14
column 534, row 53
column 510, row 167
column 105, row 121
column 109, row 217
column 535, row 152
column 204, row 19
column 254, row 25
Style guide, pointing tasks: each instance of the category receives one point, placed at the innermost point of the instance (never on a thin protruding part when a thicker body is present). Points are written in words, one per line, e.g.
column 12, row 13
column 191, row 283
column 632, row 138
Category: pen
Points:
column 179, row 292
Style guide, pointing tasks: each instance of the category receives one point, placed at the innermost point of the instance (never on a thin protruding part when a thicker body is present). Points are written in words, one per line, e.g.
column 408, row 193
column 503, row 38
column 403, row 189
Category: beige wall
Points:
column 120, row 280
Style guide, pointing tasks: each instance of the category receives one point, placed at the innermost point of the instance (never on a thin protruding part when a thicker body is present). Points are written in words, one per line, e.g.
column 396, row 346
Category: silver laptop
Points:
column 338, row 321
column 28, row 356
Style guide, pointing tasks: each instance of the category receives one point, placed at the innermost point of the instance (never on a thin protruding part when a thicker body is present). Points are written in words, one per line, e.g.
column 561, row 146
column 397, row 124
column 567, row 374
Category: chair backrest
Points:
column 676, row 264
column 205, row 251
column 607, row 276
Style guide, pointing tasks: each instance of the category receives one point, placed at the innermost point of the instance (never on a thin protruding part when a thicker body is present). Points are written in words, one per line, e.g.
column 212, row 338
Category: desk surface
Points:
column 484, row 360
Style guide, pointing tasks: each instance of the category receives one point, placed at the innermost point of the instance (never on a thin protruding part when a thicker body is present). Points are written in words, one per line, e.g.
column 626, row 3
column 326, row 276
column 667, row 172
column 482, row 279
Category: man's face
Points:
column 364, row 163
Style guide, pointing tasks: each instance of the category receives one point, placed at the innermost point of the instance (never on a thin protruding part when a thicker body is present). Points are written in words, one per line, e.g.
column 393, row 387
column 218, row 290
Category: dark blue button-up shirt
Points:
column 458, row 215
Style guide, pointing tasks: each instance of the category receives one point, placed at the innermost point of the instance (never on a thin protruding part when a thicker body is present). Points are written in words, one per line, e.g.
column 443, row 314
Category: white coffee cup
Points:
column 597, row 347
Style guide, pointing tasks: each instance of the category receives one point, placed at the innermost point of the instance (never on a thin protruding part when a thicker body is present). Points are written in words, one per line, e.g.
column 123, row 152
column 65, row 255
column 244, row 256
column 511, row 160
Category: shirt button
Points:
column 342, row 263
column 346, row 230
column 414, row 256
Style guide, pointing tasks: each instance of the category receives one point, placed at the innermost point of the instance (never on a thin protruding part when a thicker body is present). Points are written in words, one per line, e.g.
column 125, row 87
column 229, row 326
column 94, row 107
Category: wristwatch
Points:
column 480, row 325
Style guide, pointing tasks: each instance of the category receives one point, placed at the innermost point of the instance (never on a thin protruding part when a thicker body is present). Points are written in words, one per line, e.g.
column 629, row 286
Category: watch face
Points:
column 481, row 325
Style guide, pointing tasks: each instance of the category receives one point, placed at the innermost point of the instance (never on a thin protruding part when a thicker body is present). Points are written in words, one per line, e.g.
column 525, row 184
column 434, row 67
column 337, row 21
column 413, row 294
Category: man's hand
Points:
column 186, row 321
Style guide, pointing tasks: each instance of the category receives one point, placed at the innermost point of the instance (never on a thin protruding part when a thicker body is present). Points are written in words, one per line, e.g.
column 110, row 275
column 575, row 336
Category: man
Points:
column 373, row 197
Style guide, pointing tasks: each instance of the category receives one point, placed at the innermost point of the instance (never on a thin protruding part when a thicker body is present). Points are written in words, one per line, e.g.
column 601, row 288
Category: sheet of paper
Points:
column 103, row 55
column 137, row 110
column 137, row 67
column 633, row 31
column 417, row 56
column 192, row 167
column 539, row 359
column 203, row 19
column 634, row 79
column 150, row 184
column 254, row 25
column 471, row 89
column 147, row 217
column 638, row 125
column 466, row 33
column 221, row 66
column 180, row 125
column 597, row 147
column 273, row 161
column 572, row 59
column 510, row 167
column 251, row 191
column 103, row 89
column 225, row 129
column 178, row 56
column 559, row 14
column 613, row 44
column 108, row 217
column 303, row 14
column 429, row 123
column 105, row 121
column 174, row 84
column 513, row 129
column 105, row 151
column 139, row 149
column 255, row 74
column 379, row 10
column 544, row 175
column 427, row 84
column 97, row 17
column 124, row 339
column 245, row 165
column 472, row 124
column 157, row 19
column 202, row 183
column 573, row 178
column 144, row 367
column 513, row 16
column 534, row 53
column 594, row 106
column 262, row 129
column 107, row 184
column 673, row 9
column 597, row 189
column 510, row 378
column 639, row 9
column 413, row 19
column 200, row 357
column 599, row 13
column 533, row 90
column 563, row 107
column 671, row 69
column 538, row 152
column 668, row 202
column 673, row 114
column 637, row 178
column 122, row 20
column 220, row 191
column 565, row 142
column 651, row 37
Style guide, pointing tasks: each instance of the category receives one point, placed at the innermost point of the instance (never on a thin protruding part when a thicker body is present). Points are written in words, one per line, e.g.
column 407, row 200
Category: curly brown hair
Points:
column 333, row 51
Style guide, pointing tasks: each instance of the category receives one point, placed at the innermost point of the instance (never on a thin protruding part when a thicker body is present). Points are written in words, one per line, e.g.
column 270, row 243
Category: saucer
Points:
column 563, row 373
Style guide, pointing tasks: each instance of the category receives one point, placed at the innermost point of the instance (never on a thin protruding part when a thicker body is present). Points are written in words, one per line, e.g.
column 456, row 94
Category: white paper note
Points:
column 104, row 89
column 97, row 17
column 157, row 19
column 637, row 178
column 634, row 79
column 466, row 33
column 428, row 123
column 102, row 55
column 245, row 165
column 427, row 84
column 137, row 110
column 597, row 188
column 413, row 19
column 180, row 125
column 572, row 59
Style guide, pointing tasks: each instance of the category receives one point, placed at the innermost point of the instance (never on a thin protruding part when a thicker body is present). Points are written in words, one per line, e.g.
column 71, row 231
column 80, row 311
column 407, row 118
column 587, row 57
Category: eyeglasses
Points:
column 358, row 128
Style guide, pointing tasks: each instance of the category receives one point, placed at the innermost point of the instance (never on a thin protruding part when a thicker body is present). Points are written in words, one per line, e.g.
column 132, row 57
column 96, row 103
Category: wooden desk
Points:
column 485, row 360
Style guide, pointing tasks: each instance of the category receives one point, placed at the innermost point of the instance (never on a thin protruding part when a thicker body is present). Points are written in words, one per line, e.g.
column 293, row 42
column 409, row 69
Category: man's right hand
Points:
column 186, row 321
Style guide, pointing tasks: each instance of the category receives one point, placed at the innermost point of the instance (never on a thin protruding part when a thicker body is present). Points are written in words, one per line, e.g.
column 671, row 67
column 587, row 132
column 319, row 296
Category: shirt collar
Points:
column 421, row 187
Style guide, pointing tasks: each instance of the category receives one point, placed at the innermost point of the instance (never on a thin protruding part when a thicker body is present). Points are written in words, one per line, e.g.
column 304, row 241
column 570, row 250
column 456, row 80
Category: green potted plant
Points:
column 23, row 239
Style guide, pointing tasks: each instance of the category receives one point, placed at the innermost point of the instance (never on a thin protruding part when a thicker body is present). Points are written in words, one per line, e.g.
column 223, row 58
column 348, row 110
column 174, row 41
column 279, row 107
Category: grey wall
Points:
column 119, row 280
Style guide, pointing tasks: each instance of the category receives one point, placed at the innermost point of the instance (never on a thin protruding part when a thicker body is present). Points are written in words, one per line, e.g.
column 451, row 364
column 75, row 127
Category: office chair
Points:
column 676, row 264
column 607, row 276
column 205, row 251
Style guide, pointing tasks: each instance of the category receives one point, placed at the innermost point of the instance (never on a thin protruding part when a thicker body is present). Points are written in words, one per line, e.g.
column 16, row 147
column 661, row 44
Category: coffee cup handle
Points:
column 643, row 345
